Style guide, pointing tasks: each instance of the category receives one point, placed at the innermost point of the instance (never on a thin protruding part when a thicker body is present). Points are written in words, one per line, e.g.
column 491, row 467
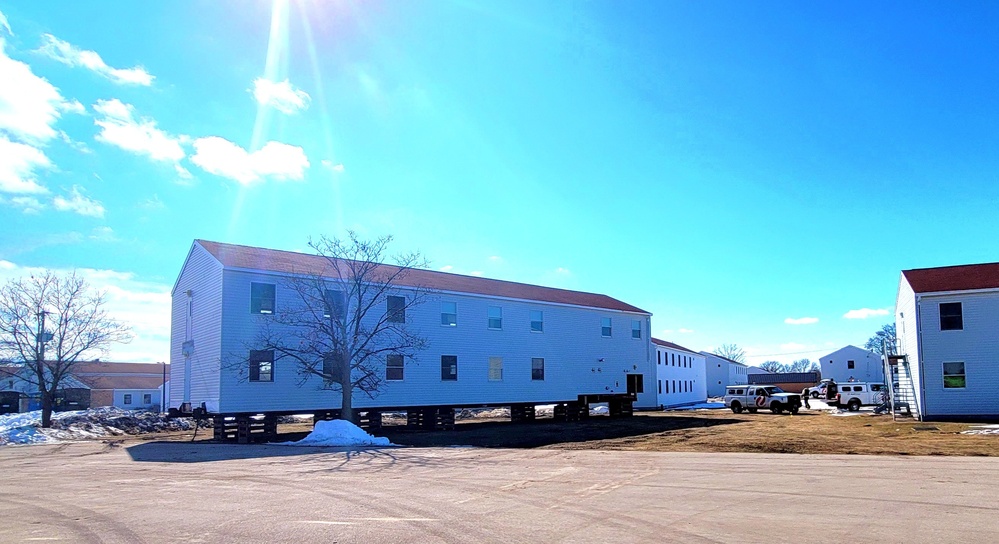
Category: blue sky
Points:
column 754, row 174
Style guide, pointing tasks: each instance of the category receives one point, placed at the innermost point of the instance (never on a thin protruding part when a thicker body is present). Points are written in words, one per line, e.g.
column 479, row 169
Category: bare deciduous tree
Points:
column 772, row 366
column 48, row 323
column 345, row 321
column 884, row 337
column 731, row 351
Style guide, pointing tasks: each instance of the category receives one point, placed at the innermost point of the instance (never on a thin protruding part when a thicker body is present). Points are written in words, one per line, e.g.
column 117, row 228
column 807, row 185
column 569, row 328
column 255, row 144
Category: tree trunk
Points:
column 347, row 401
column 46, row 410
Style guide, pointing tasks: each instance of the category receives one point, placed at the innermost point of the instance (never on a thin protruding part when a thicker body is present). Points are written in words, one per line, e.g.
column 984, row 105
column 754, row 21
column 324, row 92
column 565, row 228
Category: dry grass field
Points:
column 705, row 431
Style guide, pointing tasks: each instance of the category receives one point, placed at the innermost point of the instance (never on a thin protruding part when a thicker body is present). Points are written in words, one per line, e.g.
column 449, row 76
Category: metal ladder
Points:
column 902, row 399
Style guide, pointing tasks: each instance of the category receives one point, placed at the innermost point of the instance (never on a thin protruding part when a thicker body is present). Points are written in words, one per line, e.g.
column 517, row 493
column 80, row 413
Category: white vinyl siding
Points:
column 198, row 318
column 568, row 339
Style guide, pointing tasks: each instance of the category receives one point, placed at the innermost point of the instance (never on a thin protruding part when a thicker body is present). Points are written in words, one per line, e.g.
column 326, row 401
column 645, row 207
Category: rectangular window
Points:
column 495, row 369
column 334, row 302
column 395, row 307
column 261, row 298
column 261, row 365
column 394, row 367
column 849, row 364
column 605, row 326
column 537, row 321
column 495, row 315
column 449, row 368
column 953, row 376
column 147, row 398
column 951, row 318
column 127, row 399
column 660, row 387
column 449, row 314
column 636, row 328
column 538, row 369
column 659, row 357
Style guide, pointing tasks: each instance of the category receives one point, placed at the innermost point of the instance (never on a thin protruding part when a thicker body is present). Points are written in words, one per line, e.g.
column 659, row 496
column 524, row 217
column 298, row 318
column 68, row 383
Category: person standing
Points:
column 804, row 397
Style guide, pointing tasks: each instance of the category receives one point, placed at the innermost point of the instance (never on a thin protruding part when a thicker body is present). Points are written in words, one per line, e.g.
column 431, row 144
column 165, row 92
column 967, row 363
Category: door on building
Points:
column 636, row 384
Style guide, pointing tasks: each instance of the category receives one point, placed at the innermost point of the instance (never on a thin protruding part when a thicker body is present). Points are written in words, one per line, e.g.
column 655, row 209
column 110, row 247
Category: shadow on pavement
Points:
column 206, row 452
column 540, row 433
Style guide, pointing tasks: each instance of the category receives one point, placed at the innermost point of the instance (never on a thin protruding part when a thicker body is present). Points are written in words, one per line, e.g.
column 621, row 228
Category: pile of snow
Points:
column 982, row 429
column 103, row 422
column 600, row 409
column 339, row 432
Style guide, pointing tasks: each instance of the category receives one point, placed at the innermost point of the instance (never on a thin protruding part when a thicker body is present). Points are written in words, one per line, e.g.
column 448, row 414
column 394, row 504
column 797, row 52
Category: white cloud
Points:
column 153, row 203
column 142, row 305
column 29, row 104
column 476, row 273
column 28, row 204
column 79, row 146
column 446, row 268
column 4, row 25
column 328, row 164
column 18, row 163
column 685, row 331
column 275, row 160
column 801, row 320
column 792, row 346
column 73, row 106
column 495, row 258
column 561, row 270
column 120, row 128
column 71, row 55
column 865, row 313
column 280, row 95
column 77, row 203
column 103, row 234
column 666, row 331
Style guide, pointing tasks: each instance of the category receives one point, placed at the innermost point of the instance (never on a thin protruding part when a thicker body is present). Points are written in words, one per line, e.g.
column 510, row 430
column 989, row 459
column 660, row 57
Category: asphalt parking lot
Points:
column 181, row 492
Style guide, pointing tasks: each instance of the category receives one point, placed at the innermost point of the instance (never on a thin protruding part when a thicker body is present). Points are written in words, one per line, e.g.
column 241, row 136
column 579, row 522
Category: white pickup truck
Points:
column 758, row 397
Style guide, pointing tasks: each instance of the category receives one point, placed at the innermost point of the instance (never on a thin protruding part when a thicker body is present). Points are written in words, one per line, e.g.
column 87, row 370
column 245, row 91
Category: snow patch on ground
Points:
column 25, row 428
column 338, row 433
column 982, row 429
column 699, row 406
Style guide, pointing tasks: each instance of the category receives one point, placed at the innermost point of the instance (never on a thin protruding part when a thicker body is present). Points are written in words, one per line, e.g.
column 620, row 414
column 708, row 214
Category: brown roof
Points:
column 236, row 256
column 109, row 375
column 671, row 345
column 953, row 278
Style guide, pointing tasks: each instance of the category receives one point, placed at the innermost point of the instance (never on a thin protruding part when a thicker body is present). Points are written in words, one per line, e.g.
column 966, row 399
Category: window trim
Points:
column 256, row 300
column 330, row 304
column 453, row 322
column 490, row 318
column 494, row 364
column 963, row 375
column 401, row 367
column 398, row 314
column 145, row 396
column 126, row 398
column 540, row 322
column 609, row 327
column 534, row 371
column 959, row 316
column 255, row 361
column 449, row 374
column 638, row 330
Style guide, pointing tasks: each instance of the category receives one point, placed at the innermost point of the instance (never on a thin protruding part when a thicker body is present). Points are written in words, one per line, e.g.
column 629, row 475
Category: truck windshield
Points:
column 773, row 390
